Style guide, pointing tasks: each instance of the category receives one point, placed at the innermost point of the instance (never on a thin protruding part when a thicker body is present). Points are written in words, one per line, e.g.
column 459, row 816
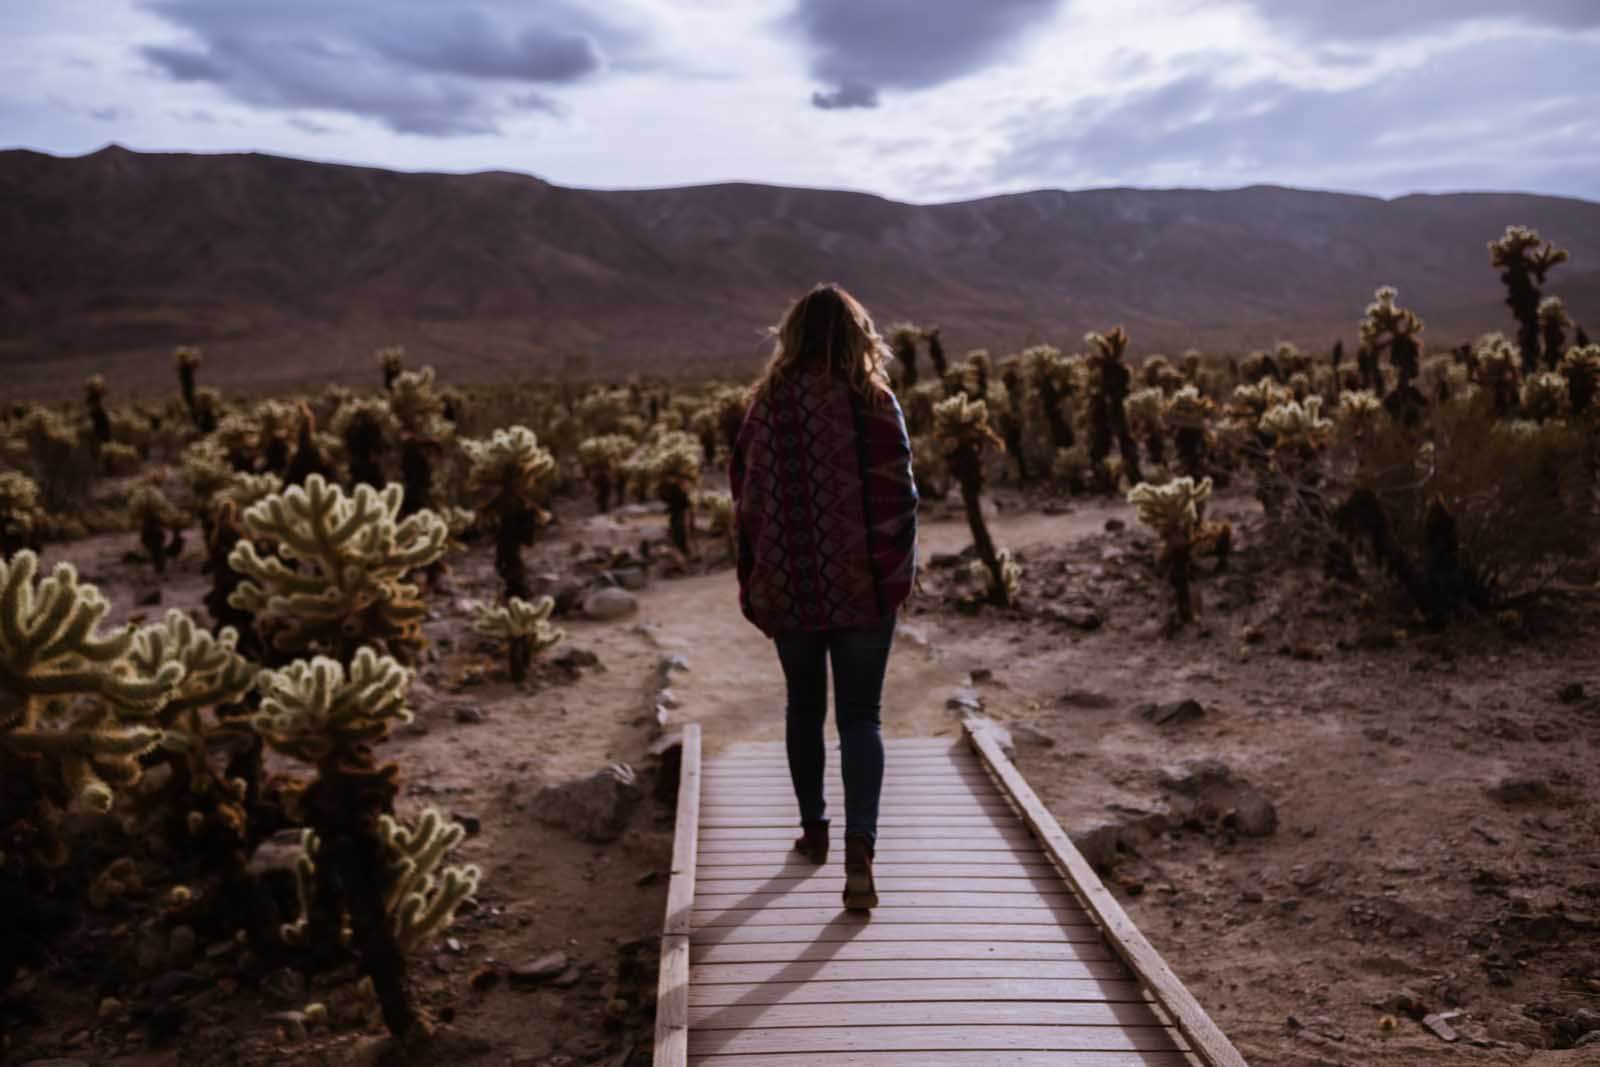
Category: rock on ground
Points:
column 596, row 808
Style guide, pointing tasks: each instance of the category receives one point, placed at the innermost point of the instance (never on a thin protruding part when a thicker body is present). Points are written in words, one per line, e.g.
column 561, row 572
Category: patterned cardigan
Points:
column 825, row 505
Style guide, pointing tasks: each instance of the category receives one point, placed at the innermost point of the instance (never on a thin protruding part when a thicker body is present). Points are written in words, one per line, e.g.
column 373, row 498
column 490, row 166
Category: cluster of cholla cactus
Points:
column 1390, row 328
column 64, row 742
column 423, row 430
column 509, row 483
column 334, row 574
column 1176, row 512
column 524, row 627
column 21, row 517
column 1524, row 260
column 160, row 525
column 1109, row 381
column 961, row 427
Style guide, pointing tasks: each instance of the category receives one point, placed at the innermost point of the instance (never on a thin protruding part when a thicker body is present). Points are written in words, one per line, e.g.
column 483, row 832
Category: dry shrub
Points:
column 1510, row 501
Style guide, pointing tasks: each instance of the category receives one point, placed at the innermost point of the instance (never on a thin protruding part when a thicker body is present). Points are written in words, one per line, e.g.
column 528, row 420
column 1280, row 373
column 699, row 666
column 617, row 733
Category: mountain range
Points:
column 288, row 271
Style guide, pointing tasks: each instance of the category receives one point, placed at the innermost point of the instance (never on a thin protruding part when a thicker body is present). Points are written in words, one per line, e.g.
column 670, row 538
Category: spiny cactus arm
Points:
column 518, row 618
column 1172, row 510
column 213, row 672
column 311, row 708
column 423, row 898
column 93, row 755
column 305, row 885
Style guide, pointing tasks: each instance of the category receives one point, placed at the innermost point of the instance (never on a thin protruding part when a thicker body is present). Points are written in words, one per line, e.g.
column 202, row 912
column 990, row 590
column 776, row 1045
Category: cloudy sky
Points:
column 921, row 100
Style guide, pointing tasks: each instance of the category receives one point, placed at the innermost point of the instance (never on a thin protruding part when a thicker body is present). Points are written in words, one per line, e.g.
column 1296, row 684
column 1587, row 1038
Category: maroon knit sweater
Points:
column 826, row 507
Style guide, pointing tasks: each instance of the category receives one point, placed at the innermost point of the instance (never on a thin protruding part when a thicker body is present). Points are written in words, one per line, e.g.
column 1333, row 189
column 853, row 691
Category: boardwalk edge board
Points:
column 1206, row 1040
column 672, row 996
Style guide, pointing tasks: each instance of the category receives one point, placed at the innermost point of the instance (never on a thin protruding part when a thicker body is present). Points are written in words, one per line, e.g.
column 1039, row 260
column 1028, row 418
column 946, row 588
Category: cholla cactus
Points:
column 1187, row 412
column 601, row 458
column 1359, row 413
column 525, row 627
column 961, row 427
column 205, row 470
column 1175, row 511
column 509, row 481
column 240, row 436
column 1581, row 365
column 319, row 711
column 721, row 518
column 21, row 520
column 419, row 414
column 330, row 716
column 1497, row 371
column 1108, row 389
column 154, row 516
column 671, row 467
column 1295, row 425
column 1553, row 325
column 1055, row 379
column 187, row 359
column 62, row 465
column 1544, row 396
column 391, row 361
column 94, row 395
column 903, row 338
column 1523, row 259
column 336, row 577
column 1388, row 327
column 363, row 425
column 1145, row 408
column 276, row 422
column 1255, row 399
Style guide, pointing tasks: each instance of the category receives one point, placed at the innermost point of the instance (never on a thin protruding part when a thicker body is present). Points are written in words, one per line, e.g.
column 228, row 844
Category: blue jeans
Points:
column 860, row 657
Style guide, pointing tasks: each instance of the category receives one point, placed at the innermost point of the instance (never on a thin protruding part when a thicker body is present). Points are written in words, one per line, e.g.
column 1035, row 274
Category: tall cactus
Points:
column 1390, row 328
column 1175, row 511
column 509, row 482
column 1110, row 378
column 961, row 426
column 1524, row 259
column 601, row 458
column 21, row 519
column 526, row 629
column 670, row 467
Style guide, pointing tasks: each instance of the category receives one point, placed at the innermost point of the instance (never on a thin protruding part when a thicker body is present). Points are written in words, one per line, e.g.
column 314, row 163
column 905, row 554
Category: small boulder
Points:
column 596, row 808
column 1521, row 789
column 536, row 971
column 609, row 603
column 1172, row 713
column 632, row 579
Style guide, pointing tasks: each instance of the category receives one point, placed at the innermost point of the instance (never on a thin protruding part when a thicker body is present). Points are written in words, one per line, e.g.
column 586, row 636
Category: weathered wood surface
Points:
column 985, row 949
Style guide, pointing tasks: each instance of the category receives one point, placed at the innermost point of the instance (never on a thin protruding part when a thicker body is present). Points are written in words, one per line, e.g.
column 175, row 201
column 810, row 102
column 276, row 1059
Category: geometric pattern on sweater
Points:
column 825, row 506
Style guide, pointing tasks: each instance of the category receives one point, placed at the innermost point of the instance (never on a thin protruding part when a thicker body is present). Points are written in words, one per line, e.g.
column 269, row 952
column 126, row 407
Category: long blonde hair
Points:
column 828, row 330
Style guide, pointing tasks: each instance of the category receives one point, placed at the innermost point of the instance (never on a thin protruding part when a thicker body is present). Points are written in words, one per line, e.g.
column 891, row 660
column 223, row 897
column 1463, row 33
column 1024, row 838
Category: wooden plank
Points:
column 672, row 990
column 705, row 902
column 947, row 743
column 951, row 1013
column 783, row 793
column 789, row 952
column 902, row 990
column 883, row 867
column 722, row 806
column 889, row 858
column 764, row 838
column 846, row 928
column 831, row 880
column 885, row 819
column 932, row 1037
column 949, row 1058
column 863, row 970
column 1205, row 1038
column 890, row 915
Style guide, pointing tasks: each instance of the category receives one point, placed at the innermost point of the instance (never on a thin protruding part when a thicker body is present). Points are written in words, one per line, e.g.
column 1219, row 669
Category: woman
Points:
column 827, row 521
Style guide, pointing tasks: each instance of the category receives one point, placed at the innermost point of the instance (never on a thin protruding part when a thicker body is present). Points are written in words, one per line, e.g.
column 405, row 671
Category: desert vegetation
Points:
column 1442, row 486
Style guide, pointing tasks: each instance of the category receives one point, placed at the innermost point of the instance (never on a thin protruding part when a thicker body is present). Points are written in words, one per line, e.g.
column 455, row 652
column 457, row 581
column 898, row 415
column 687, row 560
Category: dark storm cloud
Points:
column 1369, row 20
column 1501, row 113
column 859, row 48
column 429, row 67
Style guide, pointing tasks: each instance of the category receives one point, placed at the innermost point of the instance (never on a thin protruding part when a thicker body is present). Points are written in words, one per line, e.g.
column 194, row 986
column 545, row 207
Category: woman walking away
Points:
column 827, row 521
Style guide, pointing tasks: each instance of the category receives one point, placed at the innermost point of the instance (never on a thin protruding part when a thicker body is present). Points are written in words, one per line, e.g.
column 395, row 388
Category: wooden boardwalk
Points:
column 994, row 943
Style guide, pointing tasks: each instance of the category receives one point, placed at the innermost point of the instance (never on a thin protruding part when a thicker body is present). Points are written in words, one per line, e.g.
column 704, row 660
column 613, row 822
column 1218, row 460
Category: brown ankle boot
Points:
column 860, row 891
column 813, row 843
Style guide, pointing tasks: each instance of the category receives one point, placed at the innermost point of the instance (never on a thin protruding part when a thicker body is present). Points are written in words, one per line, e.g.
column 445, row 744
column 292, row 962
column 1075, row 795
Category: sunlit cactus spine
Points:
column 961, row 427
column 1359, row 414
column 601, row 459
column 424, row 894
column 721, row 518
column 524, row 626
column 1544, row 396
column 509, row 482
column 21, row 518
column 330, row 715
column 159, row 523
column 1055, row 381
column 1188, row 413
column 1524, row 259
column 391, row 363
column 1581, row 366
column 334, row 575
column 1390, row 328
column 1175, row 511
column 1109, row 380
column 64, row 686
column 1145, row 409
column 1553, row 326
